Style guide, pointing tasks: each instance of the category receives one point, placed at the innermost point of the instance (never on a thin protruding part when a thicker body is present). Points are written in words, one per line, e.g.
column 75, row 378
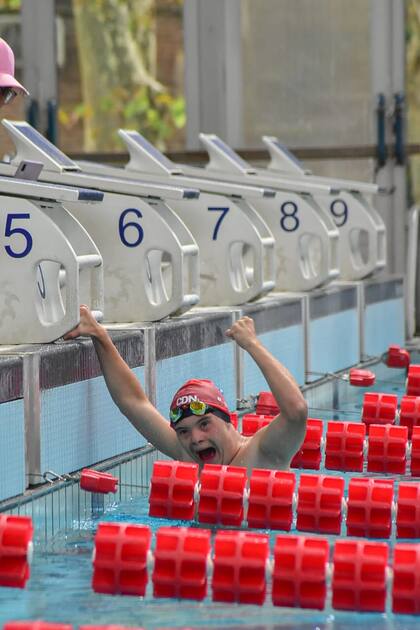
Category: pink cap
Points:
column 7, row 68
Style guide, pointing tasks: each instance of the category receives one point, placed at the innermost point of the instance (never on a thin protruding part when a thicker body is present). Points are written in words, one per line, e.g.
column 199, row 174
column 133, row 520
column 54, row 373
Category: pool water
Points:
column 59, row 589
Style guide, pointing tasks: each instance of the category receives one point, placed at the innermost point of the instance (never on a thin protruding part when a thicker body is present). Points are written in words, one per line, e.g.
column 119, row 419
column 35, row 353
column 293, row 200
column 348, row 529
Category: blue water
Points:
column 59, row 588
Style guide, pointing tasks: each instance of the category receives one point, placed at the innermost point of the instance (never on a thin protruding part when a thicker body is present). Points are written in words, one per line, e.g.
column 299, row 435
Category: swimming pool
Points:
column 65, row 520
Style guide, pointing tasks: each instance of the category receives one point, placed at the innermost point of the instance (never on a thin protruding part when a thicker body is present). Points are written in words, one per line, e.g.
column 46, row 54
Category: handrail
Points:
column 354, row 152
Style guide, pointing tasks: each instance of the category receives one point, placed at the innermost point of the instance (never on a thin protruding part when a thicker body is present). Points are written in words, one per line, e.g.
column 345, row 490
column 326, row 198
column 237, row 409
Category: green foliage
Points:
column 157, row 116
column 9, row 5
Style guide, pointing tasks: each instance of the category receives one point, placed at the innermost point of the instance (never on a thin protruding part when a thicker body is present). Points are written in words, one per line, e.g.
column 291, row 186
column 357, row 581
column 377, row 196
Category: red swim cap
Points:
column 204, row 390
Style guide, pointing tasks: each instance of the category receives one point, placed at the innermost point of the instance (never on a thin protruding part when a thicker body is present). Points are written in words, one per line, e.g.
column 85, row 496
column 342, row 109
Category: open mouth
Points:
column 207, row 454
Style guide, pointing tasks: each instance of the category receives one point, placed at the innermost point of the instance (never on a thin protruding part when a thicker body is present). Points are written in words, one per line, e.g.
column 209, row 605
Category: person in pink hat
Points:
column 9, row 86
column 200, row 428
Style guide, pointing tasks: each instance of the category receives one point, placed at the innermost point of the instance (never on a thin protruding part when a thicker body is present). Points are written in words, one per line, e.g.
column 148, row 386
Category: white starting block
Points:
column 306, row 239
column 48, row 262
column 150, row 257
column 362, row 244
column 306, row 236
column 236, row 246
column 305, row 257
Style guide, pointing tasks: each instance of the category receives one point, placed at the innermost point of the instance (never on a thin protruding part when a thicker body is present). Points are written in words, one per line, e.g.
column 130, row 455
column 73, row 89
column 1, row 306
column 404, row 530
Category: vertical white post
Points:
column 388, row 62
column 213, row 77
column 400, row 210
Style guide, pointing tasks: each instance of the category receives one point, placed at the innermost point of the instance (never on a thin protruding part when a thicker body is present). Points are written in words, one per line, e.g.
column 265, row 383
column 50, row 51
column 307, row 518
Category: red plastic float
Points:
column 413, row 381
column 222, row 494
column 406, row 582
column 408, row 510
column 16, row 534
column 270, row 503
column 120, row 559
column 252, row 422
column 361, row 378
column 309, row 455
column 397, row 357
column 387, row 449
column 234, row 419
column 180, row 568
column 410, row 413
column 319, row 504
column 266, row 404
column 109, row 627
column 344, row 446
column 95, row 481
column 359, row 575
column 239, row 573
column 39, row 625
column 379, row 409
column 369, row 507
column 172, row 487
column 415, row 451
column 300, row 572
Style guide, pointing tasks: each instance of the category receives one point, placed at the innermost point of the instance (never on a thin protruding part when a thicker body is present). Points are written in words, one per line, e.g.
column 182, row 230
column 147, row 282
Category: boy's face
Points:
column 205, row 438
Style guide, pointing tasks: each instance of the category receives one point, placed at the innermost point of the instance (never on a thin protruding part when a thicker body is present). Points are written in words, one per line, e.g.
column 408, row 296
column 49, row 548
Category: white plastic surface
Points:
column 305, row 257
column 150, row 257
column 151, row 260
column 236, row 246
column 306, row 237
column 43, row 242
column 362, row 236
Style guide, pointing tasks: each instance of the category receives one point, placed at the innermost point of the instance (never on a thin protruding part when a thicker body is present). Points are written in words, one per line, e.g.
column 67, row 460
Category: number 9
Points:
column 343, row 215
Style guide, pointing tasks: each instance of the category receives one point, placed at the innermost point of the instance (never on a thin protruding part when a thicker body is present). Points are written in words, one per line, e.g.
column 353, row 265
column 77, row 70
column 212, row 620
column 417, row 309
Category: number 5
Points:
column 9, row 231
column 223, row 212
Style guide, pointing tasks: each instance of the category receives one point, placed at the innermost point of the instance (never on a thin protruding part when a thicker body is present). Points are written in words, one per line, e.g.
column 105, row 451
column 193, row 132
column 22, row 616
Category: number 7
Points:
column 223, row 212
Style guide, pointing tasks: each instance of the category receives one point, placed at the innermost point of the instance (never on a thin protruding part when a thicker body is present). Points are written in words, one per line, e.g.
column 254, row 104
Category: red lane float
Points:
column 270, row 502
column 344, row 446
column 110, row 627
column 241, row 564
column 387, row 449
column 406, row 583
column 369, row 507
column 16, row 533
column 379, row 409
column 222, row 494
column 415, row 452
column 120, row 559
column 397, row 357
column 95, row 481
column 361, row 378
column 239, row 572
column 359, row 576
column 319, row 504
column 266, row 405
column 410, row 413
column 309, row 455
column 234, row 419
column 252, row 422
column 180, row 567
column 38, row 625
column 300, row 572
column 413, row 381
column 408, row 510
column 172, row 488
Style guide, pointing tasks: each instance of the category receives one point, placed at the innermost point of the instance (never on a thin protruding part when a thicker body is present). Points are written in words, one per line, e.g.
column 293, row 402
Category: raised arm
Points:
column 125, row 389
column 280, row 440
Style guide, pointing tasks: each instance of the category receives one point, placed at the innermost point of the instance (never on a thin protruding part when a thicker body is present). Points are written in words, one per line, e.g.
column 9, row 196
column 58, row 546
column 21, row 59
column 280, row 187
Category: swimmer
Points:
column 200, row 429
column 9, row 86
